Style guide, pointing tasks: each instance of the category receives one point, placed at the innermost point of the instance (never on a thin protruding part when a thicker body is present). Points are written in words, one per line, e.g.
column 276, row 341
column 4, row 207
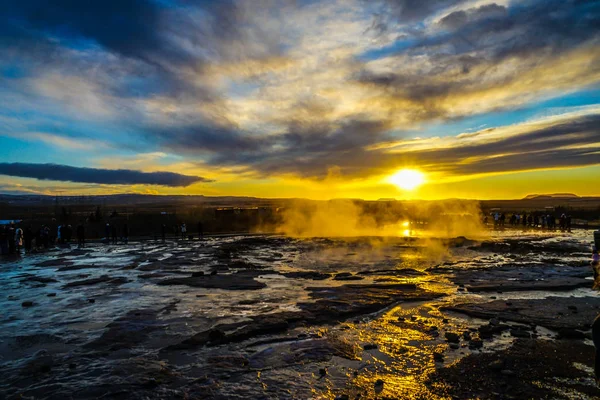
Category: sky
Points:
column 300, row 98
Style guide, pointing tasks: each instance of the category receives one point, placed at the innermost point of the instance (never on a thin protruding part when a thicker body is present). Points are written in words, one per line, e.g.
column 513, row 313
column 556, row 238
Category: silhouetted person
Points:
column 80, row 235
column 18, row 239
column 183, row 230
column 125, row 233
column 3, row 240
column 200, row 230
column 107, row 232
column 11, row 239
column 113, row 232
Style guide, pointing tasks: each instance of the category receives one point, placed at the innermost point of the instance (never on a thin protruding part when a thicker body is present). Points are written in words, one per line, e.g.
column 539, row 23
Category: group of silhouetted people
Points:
column 112, row 233
column 532, row 220
column 13, row 238
column 181, row 229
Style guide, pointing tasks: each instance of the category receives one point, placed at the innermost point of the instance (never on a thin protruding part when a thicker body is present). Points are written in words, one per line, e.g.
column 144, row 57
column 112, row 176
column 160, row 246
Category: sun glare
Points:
column 407, row 179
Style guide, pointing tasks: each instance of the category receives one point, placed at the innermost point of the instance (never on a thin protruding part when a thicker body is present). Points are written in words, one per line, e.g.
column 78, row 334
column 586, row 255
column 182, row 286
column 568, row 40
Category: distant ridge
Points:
column 551, row 196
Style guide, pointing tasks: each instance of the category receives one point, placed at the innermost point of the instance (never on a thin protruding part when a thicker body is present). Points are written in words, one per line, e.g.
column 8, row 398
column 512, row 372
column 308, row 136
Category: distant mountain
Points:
column 551, row 196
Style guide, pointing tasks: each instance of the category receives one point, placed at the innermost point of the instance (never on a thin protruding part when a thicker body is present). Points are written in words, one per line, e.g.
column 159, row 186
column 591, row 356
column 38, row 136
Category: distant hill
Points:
column 551, row 196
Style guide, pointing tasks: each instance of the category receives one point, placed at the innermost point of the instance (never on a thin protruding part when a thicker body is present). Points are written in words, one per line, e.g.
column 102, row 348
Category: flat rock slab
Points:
column 93, row 281
column 553, row 312
column 532, row 369
column 339, row 302
column 333, row 305
column 520, row 278
column 227, row 282
column 317, row 276
column 304, row 351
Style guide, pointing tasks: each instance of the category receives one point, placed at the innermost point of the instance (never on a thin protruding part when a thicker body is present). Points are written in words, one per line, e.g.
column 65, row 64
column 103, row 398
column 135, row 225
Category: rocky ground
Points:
column 270, row 317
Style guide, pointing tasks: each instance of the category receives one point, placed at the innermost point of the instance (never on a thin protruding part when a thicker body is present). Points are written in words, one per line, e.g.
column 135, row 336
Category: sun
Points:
column 407, row 179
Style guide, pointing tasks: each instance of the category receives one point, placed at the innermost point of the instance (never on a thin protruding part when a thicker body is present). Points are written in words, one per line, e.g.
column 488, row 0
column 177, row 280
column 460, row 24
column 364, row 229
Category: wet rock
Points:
column 197, row 274
column 313, row 275
column 452, row 337
column 322, row 371
column 378, row 385
column 27, row 303
column 51, row 295
column 54, row 262
column 466, row 335
column 95, row 281
column 370, row 346
column 535, row 311
column 75, row 267
column 454, row 346
column 532, row 361
column 475, row 344
column 227, row 282
column 520, row 333
column 438, row 357
column 497, row 365
column 237, row 332
column 215, row 336
column 72, row 366
column 41, row 362
column 346, row 276
column 91, row 301
column 39, row 279
column 129, row 330
column 566, row 333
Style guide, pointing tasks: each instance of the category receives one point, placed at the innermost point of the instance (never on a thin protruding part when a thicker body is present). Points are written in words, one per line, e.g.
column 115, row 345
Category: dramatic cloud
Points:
column 284, row 88
column 67, row 173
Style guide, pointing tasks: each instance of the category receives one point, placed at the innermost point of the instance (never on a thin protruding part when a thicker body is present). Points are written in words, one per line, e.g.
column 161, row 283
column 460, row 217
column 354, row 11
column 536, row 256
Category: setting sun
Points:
column 407, row 179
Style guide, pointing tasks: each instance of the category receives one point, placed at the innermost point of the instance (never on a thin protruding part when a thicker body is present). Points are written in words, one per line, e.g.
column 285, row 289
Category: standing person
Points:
column 11, row 239
column 80, row 235
column 163, row 232
column 183, row 230
column 59, row 232
column 18, row 239
column 200, row 230
column 3, row 240
column 107, row 233
column 125, row 233
column 113, row 232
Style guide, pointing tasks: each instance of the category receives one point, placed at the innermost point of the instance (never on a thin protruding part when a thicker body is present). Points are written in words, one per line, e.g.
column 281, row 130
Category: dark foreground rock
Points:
column 553, row 312
column 530, row 369
column 510, row 278
column 317, row 276
column 225, row 281
column 94, row 281
column 334, row 304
